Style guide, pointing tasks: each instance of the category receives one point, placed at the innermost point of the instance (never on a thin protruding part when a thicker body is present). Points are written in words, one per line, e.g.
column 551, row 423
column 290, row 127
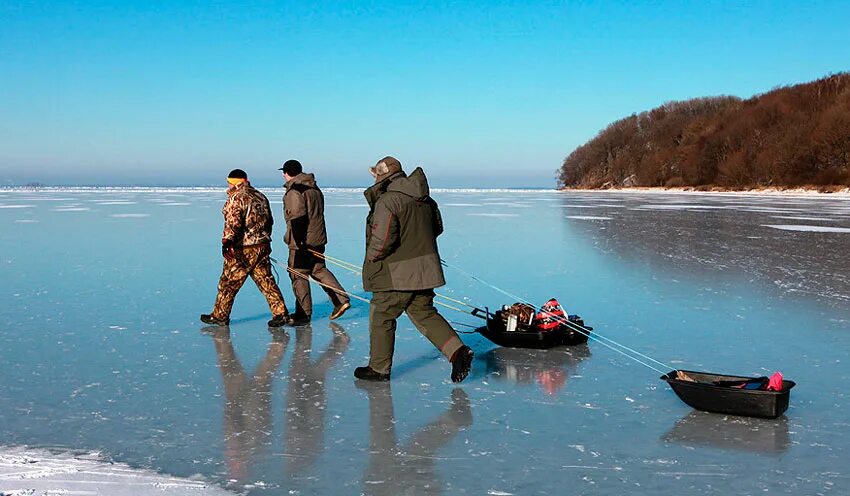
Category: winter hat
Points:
column 385, row 167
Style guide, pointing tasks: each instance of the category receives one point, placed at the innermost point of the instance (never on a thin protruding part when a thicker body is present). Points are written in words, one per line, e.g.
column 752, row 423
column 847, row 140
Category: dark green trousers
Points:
column 387, row 306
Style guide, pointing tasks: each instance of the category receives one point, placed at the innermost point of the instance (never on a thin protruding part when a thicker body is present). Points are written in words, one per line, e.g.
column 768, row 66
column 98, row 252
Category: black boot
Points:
column 367, row 374
column 298, row 319
column 462, row 363
column 279, row 320
column 207, row 318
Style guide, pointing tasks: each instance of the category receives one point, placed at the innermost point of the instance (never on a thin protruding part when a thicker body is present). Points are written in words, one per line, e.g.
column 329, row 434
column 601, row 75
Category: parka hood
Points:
column 415, row 185
column 302, row 178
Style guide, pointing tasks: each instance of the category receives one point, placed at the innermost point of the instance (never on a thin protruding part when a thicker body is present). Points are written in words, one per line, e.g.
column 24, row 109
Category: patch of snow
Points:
column 41, row 472
column 824, row 219
column 804, row 228
column 587, row 217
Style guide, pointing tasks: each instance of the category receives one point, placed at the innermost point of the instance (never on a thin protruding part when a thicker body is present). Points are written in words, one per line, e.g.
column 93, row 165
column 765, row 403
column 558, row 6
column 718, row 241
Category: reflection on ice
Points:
column 549, row 369
column 306, row 399
column 731, row 433
column 408, row 468
column 247, row 402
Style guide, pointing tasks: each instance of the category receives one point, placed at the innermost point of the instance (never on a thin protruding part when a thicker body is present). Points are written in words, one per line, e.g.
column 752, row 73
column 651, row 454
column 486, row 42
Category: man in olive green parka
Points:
column 402, row 268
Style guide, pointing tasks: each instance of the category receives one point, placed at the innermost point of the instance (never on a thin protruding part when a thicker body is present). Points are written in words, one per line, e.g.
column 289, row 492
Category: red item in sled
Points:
column 551, row 316
column 775, row 383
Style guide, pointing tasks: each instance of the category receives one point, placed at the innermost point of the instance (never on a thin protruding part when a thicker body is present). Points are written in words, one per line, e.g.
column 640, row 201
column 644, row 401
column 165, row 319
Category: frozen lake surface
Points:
column 102, row 351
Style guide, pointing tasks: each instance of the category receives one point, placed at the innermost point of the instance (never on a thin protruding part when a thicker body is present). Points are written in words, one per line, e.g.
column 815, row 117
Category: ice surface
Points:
column 103, row 352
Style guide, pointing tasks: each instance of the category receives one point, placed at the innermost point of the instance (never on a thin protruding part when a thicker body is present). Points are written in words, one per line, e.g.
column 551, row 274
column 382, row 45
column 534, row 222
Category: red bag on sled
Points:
column 551, row 315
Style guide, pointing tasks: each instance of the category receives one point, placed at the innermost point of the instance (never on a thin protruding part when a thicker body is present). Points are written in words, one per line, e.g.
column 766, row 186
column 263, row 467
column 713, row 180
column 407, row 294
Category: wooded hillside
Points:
column 791, row 136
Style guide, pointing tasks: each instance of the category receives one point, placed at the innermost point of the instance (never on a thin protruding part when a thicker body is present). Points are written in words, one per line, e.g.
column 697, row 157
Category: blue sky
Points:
column 480, row 94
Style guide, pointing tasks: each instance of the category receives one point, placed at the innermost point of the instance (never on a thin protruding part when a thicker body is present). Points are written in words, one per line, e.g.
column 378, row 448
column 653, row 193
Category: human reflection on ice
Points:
column 407, row 469
column 550, row 368
column 768, row 436
column 306, row 398
column 247, row 402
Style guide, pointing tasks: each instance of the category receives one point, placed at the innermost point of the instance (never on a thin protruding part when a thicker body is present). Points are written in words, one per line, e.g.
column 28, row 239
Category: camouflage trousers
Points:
column 387, row 306
column 249, row 261
column 306, row 264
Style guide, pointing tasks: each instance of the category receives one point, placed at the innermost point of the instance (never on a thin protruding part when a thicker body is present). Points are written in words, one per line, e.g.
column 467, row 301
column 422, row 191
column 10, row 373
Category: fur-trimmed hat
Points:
column 385, row 167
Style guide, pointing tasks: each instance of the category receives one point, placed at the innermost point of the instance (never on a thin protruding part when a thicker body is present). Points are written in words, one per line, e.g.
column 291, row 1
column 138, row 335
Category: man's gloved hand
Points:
column 227, row 250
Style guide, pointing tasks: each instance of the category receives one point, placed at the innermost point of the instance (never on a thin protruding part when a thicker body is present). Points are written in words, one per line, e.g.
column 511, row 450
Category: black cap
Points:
column 237, row 174
column 292, row 167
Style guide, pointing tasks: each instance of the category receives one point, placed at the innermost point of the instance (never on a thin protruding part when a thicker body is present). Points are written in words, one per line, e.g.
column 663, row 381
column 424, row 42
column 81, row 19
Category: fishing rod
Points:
column 305, row 276
column 595, row 336
column 355, row 269
column 485, row 314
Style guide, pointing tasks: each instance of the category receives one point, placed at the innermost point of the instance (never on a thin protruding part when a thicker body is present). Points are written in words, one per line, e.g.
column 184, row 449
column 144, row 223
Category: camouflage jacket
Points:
column 247, row 217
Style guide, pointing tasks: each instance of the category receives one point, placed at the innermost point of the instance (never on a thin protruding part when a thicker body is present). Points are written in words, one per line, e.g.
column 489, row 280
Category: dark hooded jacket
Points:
column 304, row 211
column 401, row 235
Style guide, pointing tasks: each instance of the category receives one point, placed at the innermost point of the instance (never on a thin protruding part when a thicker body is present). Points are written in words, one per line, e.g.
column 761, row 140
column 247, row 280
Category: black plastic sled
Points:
column 703, row 394
column 571, row 334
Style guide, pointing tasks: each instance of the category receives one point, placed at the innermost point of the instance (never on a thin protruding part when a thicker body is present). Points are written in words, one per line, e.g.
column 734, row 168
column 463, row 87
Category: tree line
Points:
column 790, row 136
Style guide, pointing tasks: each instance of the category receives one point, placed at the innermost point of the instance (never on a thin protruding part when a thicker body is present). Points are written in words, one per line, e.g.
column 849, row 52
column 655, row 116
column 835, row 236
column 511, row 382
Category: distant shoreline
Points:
column 802, row 191
column 222, row 189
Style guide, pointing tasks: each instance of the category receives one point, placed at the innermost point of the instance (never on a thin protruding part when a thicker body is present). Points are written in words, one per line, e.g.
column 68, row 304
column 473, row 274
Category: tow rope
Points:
column 620, row 348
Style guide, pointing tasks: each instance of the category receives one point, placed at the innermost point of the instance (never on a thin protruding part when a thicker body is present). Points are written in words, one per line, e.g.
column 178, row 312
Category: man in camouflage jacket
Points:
column 402, row 268
column 246, row 247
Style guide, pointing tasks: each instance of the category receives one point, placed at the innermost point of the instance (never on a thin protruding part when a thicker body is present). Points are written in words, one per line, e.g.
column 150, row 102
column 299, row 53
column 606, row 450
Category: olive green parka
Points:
column 401, row 235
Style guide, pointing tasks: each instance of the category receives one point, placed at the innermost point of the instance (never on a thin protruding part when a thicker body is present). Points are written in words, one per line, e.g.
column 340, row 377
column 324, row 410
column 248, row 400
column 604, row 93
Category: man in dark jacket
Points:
column 402, row 268
column 304, row 210
column 246, row 247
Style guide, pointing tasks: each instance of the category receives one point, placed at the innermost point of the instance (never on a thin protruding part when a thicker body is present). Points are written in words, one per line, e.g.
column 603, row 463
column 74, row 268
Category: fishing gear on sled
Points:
column 523, row 325
column 716, row 393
